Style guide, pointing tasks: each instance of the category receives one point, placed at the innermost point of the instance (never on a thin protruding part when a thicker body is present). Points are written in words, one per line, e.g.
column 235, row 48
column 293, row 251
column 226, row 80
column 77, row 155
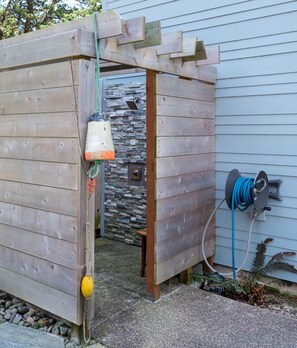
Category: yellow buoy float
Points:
column 87, row 286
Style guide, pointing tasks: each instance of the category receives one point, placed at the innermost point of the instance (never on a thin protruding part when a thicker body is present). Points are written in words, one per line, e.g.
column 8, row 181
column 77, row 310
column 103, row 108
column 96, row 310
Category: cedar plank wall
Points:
column 185, row 176
column 40, row 187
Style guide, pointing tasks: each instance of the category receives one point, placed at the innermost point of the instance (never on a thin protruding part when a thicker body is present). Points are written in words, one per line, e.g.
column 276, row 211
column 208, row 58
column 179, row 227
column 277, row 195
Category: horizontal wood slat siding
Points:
column 40, row 187
column 256, row 95
column 185, row 176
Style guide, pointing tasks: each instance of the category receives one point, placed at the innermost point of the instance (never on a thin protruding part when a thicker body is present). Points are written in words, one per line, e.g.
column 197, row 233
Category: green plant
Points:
column 249, row 288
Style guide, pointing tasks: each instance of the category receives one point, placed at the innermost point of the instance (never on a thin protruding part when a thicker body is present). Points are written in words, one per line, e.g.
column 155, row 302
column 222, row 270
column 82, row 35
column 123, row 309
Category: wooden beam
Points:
column 65, row 45
column 133, row 31
column 171, row 42
column 146, row 58
column 152, row 35
column 213, row 56
column 109, row 23
column 151, row 288
column 200, row 53
column 189, row 49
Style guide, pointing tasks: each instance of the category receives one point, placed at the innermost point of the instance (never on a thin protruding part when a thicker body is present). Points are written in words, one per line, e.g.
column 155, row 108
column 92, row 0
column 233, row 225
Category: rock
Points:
column 35, row 318
column 21, row 323
column 63, row 330
column 30, row 320
column 55, row 330
column 35, row 325
column 7, row 315
column 15, row 305
column 23, row 309
column 12, row 316
column 8, row 304
column 17, row 318
column 15, row 300
column 2, row 321
column 44, row 322
column 40, row 314
column 71, row 345
column 12, row 310
column 50, row 328
column 3, row 295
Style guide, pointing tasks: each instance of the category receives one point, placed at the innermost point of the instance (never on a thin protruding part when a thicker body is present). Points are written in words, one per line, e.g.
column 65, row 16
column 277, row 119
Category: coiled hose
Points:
column 242, row 198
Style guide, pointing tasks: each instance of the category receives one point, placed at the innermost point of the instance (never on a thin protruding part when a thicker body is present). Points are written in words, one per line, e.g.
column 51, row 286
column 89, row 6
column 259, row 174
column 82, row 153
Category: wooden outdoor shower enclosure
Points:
column 47, row 95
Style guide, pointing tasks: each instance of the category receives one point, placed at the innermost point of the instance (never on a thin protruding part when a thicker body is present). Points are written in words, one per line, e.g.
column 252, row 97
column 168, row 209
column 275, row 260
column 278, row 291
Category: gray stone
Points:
column 7, row 315
column 55, row 330
column 8, row 304
column 23, row 309
column 2, row 320
column 63, row 330
column 12, row 316
column 15, row 300
column 17, row 318
column 35, row 325
column 3, row 295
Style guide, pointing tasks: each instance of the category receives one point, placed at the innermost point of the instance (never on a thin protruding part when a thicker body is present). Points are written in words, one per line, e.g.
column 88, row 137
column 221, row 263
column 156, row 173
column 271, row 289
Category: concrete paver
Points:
column 14, row 336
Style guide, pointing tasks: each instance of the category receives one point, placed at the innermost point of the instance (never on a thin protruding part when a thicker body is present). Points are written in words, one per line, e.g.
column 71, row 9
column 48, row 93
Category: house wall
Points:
column 256, row 89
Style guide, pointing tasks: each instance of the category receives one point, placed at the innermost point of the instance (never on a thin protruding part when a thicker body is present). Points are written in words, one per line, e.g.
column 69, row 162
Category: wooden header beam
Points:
column 128, row 43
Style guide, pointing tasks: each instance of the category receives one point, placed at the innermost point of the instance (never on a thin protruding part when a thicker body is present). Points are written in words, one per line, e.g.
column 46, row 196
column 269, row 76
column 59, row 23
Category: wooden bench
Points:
column 142, row 233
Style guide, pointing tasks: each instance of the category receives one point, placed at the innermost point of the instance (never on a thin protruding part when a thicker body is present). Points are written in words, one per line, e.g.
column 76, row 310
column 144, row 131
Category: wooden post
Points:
column 185, row 277
column 206, row 269
column 152, row 289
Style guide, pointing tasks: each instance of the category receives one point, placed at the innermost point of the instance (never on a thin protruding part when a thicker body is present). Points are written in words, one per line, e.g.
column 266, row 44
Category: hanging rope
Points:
column 98, row 77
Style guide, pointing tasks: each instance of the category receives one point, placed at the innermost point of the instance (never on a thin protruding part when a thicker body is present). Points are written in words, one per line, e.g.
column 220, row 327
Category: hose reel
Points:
column 259, row 190
column 241, row 193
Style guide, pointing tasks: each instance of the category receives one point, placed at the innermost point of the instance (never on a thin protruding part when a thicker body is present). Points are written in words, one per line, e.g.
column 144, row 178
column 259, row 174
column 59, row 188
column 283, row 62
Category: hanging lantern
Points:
column 99, row 145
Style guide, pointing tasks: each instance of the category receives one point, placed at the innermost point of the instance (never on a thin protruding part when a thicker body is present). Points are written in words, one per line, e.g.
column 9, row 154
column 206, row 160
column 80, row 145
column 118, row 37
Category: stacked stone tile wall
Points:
column 125, row 204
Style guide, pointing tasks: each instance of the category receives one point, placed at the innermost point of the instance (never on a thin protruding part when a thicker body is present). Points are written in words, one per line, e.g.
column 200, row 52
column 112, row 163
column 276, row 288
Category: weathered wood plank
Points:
column 176, row 185
column 178, row 146
column 108, row 24
column 189, row 49
column 152, row 35
column 42, row 271
column 50, row 224
column 200, row 53
column 51, row 249
column 180, row 224
column 39, row 125
column 179, row 243
column 58, row 175
column 171, row 166
column 38, row 101
column 182, row 261
column 86, row 96
column 40, row 50
column 38, row 77
column 146, row 58
column 41, row 197
column 212, row 54
column 63, row 150
column 183, row 126
column 133, row 31
column 174, row 106
column 166, row 85
column 34, row 292
column 177, row 205
column 171, row 42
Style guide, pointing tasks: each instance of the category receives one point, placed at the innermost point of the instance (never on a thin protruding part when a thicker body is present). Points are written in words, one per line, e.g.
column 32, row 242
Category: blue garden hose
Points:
column 242, row 198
